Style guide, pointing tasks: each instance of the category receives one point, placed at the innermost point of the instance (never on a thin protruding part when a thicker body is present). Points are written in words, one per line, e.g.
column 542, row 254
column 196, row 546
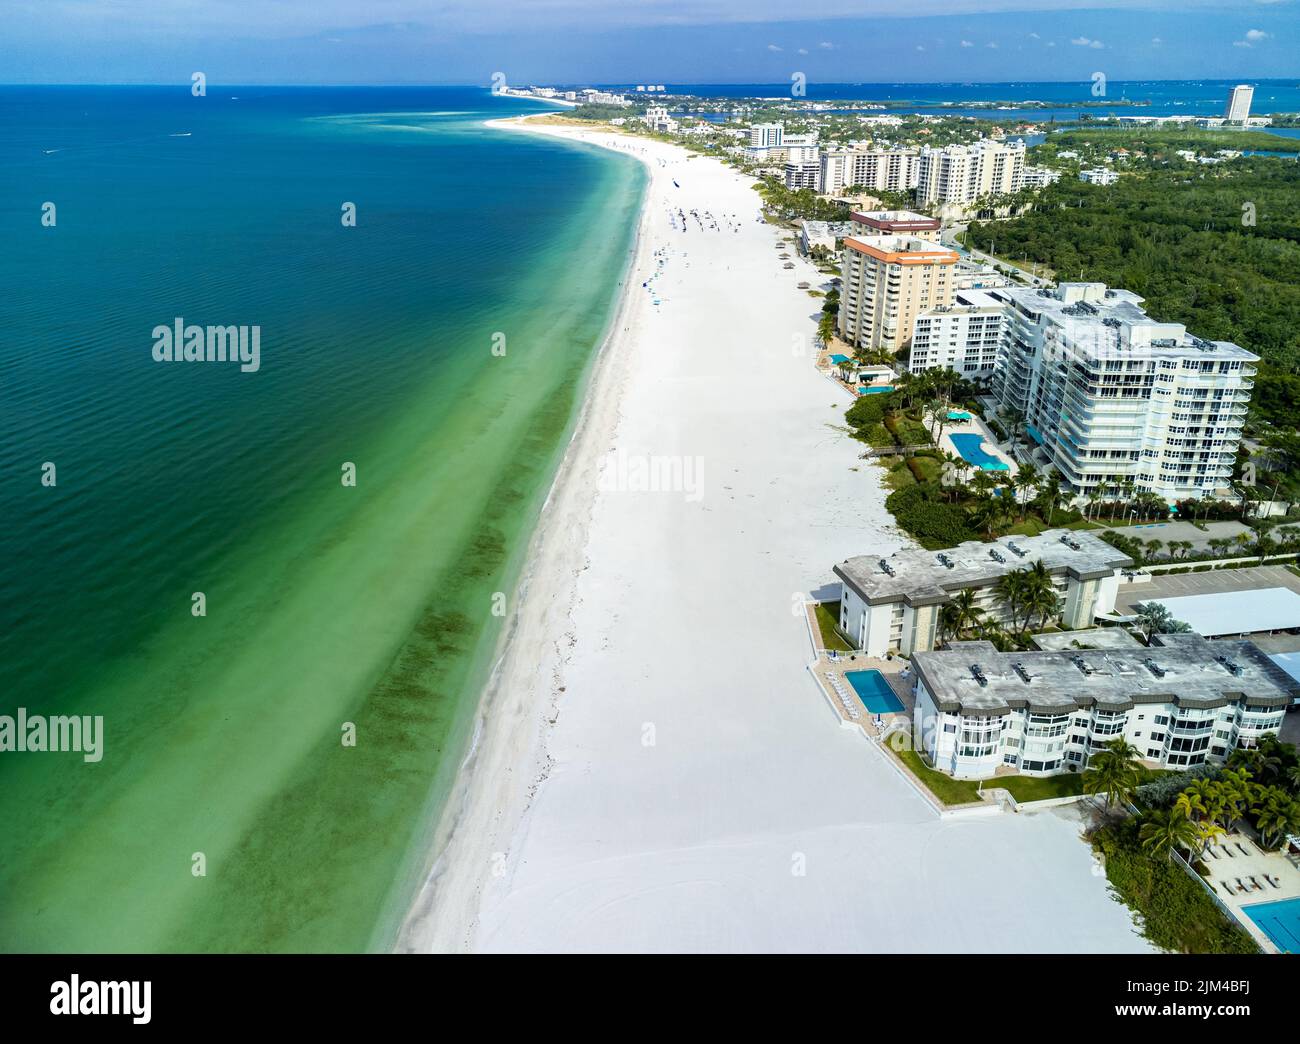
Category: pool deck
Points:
column 976, row 426
column 838, row 668
column 1227, row 864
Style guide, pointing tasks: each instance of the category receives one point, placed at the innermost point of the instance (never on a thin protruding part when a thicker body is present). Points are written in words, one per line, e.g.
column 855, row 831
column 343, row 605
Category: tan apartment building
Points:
column 887, row 281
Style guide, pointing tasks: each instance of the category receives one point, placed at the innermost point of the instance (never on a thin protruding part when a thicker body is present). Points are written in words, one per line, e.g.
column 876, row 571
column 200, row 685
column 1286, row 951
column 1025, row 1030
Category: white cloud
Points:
column 773, row 47
column 803, row 50
column 919, row 47
column 1156, row 41
column 967, row 43
column 826, row 45
column 1253, row 36
column 993, row 44
column 1083, row 41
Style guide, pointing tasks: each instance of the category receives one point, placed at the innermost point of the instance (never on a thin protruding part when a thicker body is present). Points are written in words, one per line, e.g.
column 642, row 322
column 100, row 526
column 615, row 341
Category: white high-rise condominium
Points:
column 963, row 173
column 1118, row 400
column 766, row 136
column 891, row 170
column 1238, row 108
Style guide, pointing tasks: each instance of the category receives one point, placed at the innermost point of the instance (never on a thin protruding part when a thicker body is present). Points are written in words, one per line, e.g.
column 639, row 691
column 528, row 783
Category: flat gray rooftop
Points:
column 1114, row 320
column 924, row 577
column 1183, row 669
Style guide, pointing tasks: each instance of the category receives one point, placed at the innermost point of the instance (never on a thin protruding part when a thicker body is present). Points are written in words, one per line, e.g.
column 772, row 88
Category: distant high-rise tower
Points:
column 1238, row 110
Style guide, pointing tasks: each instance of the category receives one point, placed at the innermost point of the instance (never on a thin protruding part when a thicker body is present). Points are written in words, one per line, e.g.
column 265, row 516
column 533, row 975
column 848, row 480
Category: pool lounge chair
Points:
column 1227, row 887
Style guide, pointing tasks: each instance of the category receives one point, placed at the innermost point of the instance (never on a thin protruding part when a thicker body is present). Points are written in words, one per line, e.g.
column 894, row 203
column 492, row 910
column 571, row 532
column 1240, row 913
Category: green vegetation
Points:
column 1175, row 912
column 790, row 205
column 828, row 623
column 948, row 790
column 1027, row 788
column 1183, row 813
column 947, row 500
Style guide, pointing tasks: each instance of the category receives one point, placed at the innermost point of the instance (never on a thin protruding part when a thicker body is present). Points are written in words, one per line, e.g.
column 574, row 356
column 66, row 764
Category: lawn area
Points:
column 1027, row 788
column 948, row 790
column 828, row 618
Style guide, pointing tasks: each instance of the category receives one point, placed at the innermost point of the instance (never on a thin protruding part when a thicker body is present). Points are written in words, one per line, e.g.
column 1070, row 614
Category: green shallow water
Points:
column 326, row 604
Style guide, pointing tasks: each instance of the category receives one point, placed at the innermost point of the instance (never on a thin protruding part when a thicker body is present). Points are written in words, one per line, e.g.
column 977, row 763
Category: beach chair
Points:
column 1244, row 850
column 1227, row 887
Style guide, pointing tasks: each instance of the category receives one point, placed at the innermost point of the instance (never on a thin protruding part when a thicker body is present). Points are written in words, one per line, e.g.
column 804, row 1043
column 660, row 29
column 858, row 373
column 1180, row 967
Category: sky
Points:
column 643, row 41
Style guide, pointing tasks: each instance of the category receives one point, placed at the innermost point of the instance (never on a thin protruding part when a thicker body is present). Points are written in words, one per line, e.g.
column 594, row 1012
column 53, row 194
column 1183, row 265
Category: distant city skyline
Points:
column 678, row 41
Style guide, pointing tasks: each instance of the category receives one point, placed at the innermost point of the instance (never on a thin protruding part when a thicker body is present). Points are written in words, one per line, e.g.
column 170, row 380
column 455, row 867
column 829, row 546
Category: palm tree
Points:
column 965, row 613
column 1153, row 548
column 1277, row 816
column 1163, row 831
column 1113, row 771
column 1046, row 603
column 1011, row 590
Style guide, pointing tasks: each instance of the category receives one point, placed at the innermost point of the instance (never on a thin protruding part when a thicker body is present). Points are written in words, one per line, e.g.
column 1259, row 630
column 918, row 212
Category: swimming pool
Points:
column 874, row 692
column 969, row 448
column 1280, row 921
column 878, row 389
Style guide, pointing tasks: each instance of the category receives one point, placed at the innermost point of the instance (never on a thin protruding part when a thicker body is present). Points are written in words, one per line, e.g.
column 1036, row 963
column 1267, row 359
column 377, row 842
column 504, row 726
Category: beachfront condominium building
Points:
column 1182, row 701
column 887, row 170
column 896, row 223
column 894, row 604
column 886, row 282
column 1239, row 99
column 964, row 173
column 964, row 336
column 1118, row 400
column 803, row 167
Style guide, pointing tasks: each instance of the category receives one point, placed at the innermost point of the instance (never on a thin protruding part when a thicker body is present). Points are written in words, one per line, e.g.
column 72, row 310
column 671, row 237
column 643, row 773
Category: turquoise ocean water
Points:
column 330, row 608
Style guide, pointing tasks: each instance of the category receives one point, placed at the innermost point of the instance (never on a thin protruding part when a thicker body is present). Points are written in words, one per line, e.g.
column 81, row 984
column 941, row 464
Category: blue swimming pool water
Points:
column 874, row 692
column 878, row 389
column 969, row 446
column 1280, row 921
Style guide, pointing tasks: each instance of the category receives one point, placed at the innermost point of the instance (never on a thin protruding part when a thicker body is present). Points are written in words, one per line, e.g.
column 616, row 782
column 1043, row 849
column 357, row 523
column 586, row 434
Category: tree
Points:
column 1011, row 591
column 1277, row 816
column 1155, row 618
column 965, row 613
column 1163, row 830
column 1113, row 771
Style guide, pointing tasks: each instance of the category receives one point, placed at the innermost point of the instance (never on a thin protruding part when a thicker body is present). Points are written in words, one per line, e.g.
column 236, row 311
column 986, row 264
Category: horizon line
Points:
column 617, row 83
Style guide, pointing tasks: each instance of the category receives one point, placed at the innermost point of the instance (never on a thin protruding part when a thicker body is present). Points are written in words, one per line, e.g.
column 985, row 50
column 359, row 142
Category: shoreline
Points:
column 657, row 771
column 483, row 783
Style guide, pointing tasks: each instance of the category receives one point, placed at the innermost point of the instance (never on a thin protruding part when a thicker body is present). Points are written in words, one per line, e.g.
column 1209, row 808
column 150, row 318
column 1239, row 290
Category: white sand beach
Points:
column 655, row 766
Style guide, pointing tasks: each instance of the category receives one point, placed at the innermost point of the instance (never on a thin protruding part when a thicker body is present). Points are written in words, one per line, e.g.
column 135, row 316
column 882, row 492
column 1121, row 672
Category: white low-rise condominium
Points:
column 1118, row 400
column 1099, row 176
column 892, row 605
column 1182, row 701
column 964, row 336
column 888, row 170
column 964, row 173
